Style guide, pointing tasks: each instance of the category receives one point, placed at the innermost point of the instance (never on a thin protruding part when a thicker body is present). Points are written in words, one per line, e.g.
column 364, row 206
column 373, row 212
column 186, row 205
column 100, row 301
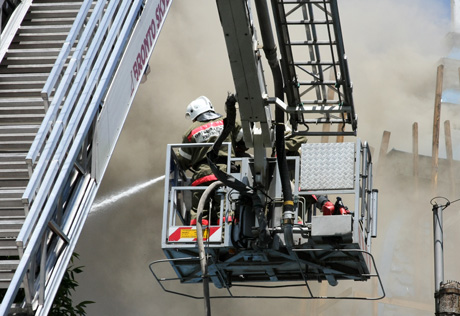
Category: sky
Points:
column 393, row 47
column 446, row 5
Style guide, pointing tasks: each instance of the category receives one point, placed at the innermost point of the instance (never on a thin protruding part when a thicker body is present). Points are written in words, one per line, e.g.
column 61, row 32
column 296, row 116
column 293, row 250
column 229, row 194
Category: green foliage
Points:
column 63, row 305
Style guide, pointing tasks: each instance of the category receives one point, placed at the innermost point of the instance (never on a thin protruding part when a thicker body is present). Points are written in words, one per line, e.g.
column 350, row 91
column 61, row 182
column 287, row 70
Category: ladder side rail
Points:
column 90, row 116
column 14, row 23
column 374, row 200
column 60, row 269
column 368, row 188
column 174, row 178
column 173, row 185
column 314, row 52
column 69, row 105
column 368, row 197
column 170, row 166
column 66, row 83
column 357, row 219
column 68, row 134
column 363, row 187
column 347, row 85
column 287, row 61
column 74, row 33
column 57, row 262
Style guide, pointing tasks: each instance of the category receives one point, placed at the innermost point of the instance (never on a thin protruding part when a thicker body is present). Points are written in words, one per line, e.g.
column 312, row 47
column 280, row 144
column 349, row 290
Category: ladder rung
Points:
column 7, row 157
column 33, row 52
column 319, row 109
column 322, row 133
column 18, row 129
column 45, row 28
column 21, row 118
column 8, row 264
column 10, row 232
column 320, row 102
column 297, row 43
column 303, row 1
column 315, row 63
column 317, row 83
column 303, row 22
column 75, row 6
column 9, row 251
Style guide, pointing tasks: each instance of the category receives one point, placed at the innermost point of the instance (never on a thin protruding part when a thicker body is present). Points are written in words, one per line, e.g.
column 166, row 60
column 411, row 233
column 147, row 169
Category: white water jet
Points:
column 104, row 202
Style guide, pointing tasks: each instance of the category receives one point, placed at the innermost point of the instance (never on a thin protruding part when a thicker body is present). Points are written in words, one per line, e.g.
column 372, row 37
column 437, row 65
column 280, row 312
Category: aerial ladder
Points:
column 271, row 231
column 69, row 72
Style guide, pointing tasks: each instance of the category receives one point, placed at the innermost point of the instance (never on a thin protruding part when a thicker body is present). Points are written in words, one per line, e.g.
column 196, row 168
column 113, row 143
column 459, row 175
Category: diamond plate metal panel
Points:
column 327, row 166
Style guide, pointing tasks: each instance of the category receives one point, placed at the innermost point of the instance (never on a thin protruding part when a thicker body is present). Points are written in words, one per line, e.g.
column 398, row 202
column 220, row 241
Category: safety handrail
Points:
column 40, row 181
column 65, row 127
column 49, row 120
column 75, row 31
column 300, row 295
column 8, row 33
column 171, row 184
column 71, row 132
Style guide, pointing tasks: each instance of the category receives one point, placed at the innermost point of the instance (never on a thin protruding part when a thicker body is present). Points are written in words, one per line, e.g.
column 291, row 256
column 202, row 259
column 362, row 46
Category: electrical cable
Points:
column 448, row 203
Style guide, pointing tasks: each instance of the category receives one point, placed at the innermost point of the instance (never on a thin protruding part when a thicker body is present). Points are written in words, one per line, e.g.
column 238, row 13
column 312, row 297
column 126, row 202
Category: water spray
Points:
column 104, row 202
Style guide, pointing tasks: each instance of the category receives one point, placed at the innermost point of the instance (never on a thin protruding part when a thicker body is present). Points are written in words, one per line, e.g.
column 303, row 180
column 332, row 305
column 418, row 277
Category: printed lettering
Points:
column 132, row 83
column 147, row 43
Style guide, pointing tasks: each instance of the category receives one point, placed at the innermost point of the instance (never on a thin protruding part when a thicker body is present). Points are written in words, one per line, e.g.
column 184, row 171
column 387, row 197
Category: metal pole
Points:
column 438, row 252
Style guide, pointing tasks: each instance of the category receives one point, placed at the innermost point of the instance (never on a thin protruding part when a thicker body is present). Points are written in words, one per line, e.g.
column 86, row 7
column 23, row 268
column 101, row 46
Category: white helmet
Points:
column 197, row 107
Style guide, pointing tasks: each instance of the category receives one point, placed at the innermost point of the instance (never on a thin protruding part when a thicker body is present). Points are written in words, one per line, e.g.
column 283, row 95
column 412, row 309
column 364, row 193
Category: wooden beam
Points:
column 330, row 96
column 383, row 150
column 326, row 128
column 450, row 156
column 340, row 138
column 436, row 128
column 415, row 157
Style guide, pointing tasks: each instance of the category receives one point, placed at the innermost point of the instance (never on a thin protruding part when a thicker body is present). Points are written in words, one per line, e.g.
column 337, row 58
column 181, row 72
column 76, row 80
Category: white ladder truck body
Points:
column 275, row 234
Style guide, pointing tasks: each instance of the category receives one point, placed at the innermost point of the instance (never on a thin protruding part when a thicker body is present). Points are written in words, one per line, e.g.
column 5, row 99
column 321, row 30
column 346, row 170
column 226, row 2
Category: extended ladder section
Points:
column 313, row 85
column 315, row 70
column 68, row 75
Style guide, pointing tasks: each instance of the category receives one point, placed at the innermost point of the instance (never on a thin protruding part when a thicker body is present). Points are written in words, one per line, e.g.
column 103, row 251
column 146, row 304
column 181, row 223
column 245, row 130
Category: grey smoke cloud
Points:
column 393, row 49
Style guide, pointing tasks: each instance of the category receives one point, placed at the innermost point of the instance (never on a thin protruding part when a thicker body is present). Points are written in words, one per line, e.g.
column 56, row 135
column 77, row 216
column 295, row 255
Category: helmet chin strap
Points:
column 207, row 116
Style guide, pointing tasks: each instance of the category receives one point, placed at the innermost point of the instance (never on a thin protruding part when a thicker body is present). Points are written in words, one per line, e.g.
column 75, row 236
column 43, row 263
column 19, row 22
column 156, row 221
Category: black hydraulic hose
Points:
column 270, row 47
column 270, row 52
column 232, row 182
column 213, row 153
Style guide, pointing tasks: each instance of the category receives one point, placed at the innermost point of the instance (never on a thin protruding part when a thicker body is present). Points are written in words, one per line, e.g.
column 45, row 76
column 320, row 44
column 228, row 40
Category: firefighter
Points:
column 206, row 127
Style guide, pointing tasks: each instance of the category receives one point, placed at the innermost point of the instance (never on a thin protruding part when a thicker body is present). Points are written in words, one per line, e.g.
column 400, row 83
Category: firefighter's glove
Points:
column 328, row 208
column 340, row 208
column 231, row 100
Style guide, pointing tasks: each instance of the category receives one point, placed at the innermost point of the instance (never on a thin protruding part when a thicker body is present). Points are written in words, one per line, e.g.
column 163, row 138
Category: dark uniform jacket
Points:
column 195, row 157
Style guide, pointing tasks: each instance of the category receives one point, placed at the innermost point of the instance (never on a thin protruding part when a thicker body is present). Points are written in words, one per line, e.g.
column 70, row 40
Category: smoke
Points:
column 393, row 48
